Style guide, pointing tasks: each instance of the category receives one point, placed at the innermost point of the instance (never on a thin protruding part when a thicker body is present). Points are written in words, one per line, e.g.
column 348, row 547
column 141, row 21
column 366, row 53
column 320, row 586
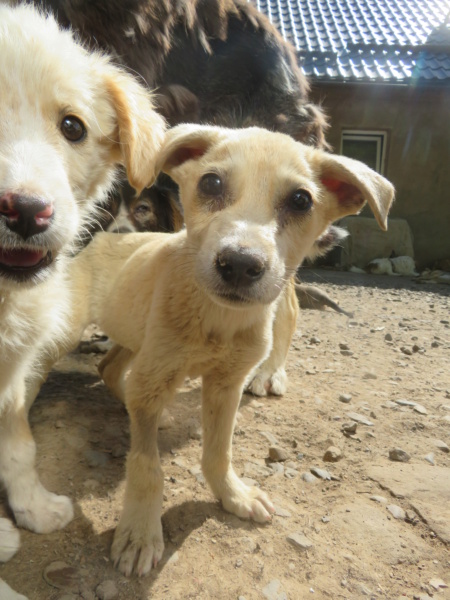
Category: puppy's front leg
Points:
column 34, row 507
column 138, row 542
column 219, row 406
column 270, row 376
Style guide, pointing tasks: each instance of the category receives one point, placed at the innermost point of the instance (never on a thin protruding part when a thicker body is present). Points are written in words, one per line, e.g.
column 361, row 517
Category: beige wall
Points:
column 417, row 121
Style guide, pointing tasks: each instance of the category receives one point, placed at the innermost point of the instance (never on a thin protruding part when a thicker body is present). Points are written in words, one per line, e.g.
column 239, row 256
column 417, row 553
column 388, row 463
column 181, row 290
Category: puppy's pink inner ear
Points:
column 347, row 193
column 183, row 154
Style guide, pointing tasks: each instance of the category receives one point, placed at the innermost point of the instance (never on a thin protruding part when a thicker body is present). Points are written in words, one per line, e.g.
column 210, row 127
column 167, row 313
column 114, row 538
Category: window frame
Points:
column 368, row 135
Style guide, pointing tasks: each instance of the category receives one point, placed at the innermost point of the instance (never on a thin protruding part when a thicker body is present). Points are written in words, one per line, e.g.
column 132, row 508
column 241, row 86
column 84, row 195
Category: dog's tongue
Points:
column 21, row 258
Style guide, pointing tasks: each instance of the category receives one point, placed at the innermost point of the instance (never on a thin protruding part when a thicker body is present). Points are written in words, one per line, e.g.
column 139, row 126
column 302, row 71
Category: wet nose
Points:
column 240, row 267
column 25, row 214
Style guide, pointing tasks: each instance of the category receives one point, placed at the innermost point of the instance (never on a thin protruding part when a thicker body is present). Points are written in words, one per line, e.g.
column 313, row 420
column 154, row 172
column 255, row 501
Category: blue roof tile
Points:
column 367, row 40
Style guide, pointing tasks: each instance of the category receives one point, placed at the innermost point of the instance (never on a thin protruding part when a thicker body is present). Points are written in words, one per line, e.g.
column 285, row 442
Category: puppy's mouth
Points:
column 22, row 264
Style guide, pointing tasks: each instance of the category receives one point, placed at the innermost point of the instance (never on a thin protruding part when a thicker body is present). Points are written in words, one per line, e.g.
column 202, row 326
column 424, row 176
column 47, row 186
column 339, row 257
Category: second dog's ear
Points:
column 183, row 143
column 140, row 128
column 353, row 183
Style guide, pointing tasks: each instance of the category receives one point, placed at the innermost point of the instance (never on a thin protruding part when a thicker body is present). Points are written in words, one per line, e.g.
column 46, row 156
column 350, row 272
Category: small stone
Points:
column 269, row 437
column 343, row 346
column 309, row 477
column 369, row 376
column 281, row 512
column 349, row 429
column 411, row 517
column 345, row 398
column 277, row 454
column 399, row 455
column 406, row 351
column 321, row 473
column 429, row 458
column 420, row 409
column 435, row 344
column 270, row 591
column 438, row 584
column 396, row 511
column 380, row 499
column 314, row 340
column 346, row 353
column 107, row 590
column 359, row 419
column 277, row 467
column 442, row 446
column 402, row 402
column 290, row 473
column 388, row 337
column 300, row 541
column 332, row 454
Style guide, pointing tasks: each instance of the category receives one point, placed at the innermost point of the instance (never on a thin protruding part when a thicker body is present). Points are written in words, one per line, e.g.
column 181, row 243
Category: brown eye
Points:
column 211, row 185
column 73, row 129
column 300, row 201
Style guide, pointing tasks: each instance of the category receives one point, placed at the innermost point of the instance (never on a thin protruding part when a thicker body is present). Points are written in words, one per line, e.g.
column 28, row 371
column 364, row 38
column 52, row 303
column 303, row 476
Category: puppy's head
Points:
column 255, row 202
column 67, row 118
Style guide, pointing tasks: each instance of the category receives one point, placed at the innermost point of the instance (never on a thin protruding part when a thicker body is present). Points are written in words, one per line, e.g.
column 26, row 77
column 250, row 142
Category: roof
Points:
column 391, row 41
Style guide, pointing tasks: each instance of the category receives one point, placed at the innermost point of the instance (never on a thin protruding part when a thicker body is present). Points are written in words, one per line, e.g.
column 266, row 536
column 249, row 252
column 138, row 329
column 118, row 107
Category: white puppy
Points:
column 67, row 118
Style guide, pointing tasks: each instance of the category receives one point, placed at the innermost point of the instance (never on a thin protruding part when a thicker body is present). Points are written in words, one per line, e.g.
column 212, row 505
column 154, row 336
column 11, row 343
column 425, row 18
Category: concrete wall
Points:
column 417, row 121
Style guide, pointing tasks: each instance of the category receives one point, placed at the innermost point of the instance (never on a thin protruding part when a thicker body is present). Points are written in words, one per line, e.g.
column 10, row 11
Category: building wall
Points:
column 418, row 151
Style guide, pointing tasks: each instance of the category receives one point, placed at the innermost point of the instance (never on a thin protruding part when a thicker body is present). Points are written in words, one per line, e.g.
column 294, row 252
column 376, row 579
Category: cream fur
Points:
column 163, row 299
column 45, row 76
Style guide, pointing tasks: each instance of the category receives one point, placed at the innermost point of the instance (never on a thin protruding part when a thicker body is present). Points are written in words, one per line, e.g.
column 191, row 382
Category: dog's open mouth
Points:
column 24, row 263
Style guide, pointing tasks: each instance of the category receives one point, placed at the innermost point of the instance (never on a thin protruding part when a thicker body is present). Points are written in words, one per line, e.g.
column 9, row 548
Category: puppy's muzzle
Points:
column 240, row 268
column 25, row 216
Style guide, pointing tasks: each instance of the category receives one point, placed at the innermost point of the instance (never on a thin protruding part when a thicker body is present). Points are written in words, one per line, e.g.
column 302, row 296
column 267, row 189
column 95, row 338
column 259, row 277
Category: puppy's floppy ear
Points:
column 184, row 143
column 140, row 129
column 353, row 184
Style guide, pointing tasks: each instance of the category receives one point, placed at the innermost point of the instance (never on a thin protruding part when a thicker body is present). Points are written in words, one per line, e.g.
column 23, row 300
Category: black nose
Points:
column 26, row 215
column 240, row 267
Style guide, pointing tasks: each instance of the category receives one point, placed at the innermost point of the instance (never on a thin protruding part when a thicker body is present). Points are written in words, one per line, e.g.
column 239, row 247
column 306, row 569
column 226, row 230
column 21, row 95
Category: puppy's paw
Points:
column 9, row 541
column 41, row 511
column 6, row 593
column 266, row 382
column 138, row 544
column 248, row 502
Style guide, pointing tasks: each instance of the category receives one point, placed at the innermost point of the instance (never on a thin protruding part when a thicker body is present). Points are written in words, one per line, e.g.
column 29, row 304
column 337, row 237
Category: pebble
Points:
column 343, row 346
column 380, row 499
column 411, row 517
column 442, row 446
column 299, row 541
column 282, row 512
column 332, row 454
column 396, row 511
column 290, row 473
column 270, row 591
column 269, row 437
column 277, row 467
column 369, row 376
column 349, row 428
column 388, row 337
column 321, row 473
column 314, row 340
column 402, row 402
column 309, row 477
column 420, row 409
column 430, row 458
column 437, row 584
column 278, row 454
column 107, row 590
column 406, row 351
column 359, row 419
column 399, row 455
column 345, row 398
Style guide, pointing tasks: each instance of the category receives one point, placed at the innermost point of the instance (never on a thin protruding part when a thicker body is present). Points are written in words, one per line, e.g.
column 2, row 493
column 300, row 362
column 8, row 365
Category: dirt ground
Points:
column 377, row 529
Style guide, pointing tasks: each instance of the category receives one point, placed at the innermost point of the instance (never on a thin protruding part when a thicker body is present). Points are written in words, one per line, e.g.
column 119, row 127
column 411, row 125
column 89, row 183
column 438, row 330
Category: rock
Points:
column 300, row 541
column 406, row 351
column 332, row 454
column 62, row 576
column 314, row 340
column 380, row 499
column 411, row 517
column 402, row 402
column 442, row 446
column 420, row 409
column 369, row 376
column 438, row 584
column 321, row 473
column 270, row 591
column 396, row 511
column 290, row 473
column 399, row 455
column 345, row 398
column 429, row 458
column 359, row 419
column 349, row 429
column 278, row 454
column 281, row 512
column 107, row 590
column 269, row 437
column 277, row 467
column 343, row 346
column 309, row 477
column 388, row 337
